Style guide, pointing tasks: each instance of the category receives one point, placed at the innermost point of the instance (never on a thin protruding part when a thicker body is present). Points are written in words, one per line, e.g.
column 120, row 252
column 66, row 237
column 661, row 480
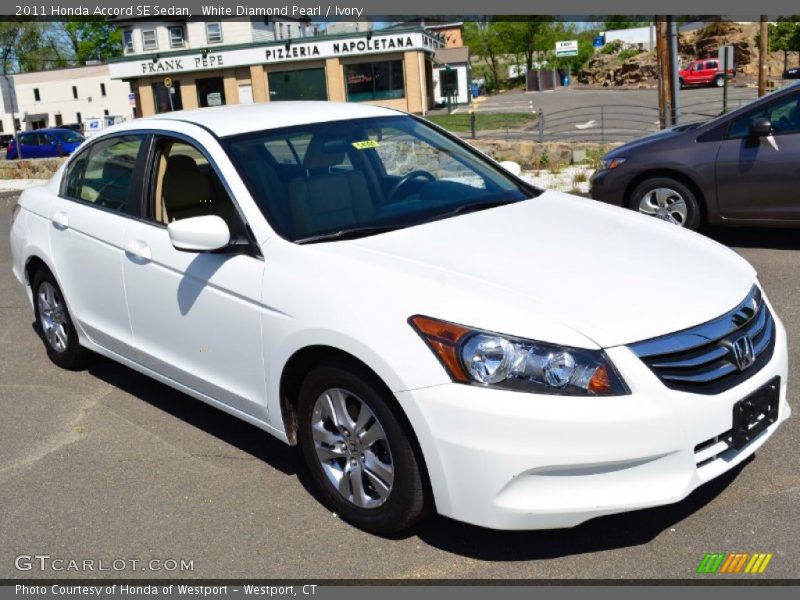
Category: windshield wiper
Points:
column 348, row 234
column 474, row 207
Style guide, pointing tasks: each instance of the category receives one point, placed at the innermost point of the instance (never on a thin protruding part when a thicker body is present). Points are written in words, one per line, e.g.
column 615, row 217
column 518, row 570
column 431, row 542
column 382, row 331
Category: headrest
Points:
column 324, row 152
column 181, row 163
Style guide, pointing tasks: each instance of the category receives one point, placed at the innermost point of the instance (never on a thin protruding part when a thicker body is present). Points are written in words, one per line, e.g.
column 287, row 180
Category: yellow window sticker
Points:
column 365, row 144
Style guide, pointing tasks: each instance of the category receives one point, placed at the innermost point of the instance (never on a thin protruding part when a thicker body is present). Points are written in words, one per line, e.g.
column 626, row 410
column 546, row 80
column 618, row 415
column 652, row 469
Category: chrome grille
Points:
column 703, row 359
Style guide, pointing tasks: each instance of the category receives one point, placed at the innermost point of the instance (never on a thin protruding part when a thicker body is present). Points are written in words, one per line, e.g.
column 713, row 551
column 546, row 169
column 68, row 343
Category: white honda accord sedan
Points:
column 434, row 332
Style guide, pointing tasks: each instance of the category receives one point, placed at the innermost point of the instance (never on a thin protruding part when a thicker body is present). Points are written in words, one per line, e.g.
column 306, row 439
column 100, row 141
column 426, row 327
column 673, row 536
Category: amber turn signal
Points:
column 443, row 338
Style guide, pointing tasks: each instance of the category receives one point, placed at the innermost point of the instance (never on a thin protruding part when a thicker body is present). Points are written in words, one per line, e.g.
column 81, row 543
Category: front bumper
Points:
column 609, row 185
column 510, row 460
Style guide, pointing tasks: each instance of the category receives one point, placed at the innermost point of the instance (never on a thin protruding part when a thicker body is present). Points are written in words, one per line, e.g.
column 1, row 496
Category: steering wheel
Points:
column 406, row 179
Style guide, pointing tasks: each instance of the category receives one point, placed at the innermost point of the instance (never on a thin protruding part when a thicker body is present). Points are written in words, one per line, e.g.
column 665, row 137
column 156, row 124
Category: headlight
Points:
column 490, row 359
column 611, row 163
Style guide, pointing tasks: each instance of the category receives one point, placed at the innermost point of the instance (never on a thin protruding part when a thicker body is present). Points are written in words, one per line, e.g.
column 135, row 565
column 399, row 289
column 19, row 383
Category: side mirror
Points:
column 760, row 127
column 199, row 234
column 512, row 167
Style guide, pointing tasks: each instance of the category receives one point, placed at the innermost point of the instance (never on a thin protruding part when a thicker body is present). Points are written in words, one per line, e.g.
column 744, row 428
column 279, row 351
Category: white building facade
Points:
column 64, row 97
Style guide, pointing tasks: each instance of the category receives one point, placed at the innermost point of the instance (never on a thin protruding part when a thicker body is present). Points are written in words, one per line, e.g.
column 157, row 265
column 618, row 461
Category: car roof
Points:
column 50, row 130
column 243, row 118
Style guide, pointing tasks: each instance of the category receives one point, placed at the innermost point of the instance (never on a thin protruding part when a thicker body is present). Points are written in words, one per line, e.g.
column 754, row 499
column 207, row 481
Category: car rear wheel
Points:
column 52, row 316
column 669, row 200
column 358, row 451
column 719, row 81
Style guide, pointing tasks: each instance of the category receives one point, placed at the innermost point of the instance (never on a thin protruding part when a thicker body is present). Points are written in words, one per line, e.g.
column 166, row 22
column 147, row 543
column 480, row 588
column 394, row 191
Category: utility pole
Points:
column 763, row 59
column 672, row 51
column 664, row 73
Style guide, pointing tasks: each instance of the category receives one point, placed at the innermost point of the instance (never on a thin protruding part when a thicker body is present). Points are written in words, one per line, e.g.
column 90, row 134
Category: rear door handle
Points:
column 139, row 249
column 61, row 220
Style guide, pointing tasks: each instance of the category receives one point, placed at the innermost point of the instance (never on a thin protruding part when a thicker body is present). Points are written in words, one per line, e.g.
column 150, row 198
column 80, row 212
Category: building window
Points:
column 127, row 41
column 375, row 81
column 289, row 30
column 74, row 92
column 103, row 89
column 16, row 124
column 210, row 91
column 298, row 84
column 167, row 99
column 280, row 31
column 59, row 120
column 176, row 37
column 214, row 33
column 149, row 39
column 36, row 96
column 105, row 112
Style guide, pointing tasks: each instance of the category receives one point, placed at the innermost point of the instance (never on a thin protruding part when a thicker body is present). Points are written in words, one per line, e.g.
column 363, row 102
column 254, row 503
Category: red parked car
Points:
column 704, row 72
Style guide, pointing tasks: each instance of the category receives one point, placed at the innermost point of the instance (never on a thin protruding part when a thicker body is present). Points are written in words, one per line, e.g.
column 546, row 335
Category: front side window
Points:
column 784, row 115
column 176, row 36
column 365, row 175
column 214, row 33
column 103, row 173
column 70, row 137
column 186, row 185
column 149, row 39
column 375, row 81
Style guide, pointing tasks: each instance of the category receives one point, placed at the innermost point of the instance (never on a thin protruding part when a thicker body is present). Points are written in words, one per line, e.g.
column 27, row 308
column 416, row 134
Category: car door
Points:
column 710, row 70
column 196, row 316
column 88, row 219
column 29, row 145
column 758, row 178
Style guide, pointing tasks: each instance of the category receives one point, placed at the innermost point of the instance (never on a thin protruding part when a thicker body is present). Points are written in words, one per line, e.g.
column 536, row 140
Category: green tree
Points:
column 623, row 22
column 485, row 41
column 522, row 36
column 784, row 35
column 91, row 39
column 30, row 46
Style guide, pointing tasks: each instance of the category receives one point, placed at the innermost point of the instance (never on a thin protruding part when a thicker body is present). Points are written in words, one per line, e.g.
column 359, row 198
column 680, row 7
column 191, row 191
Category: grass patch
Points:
column 483, row 121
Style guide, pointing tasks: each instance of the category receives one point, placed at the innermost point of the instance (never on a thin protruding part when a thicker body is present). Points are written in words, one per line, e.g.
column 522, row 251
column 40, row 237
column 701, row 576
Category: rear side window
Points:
column 102, row 174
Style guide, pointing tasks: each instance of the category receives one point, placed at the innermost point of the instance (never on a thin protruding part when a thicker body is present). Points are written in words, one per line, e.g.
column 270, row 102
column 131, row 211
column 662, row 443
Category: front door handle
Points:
column 61, row 220
column 139, row 249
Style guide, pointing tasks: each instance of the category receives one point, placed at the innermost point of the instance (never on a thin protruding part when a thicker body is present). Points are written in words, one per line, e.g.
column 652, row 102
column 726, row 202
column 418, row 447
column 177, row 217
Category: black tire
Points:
column 681, row 83
column 694, row 214
column 72, row 356
column 407, row 500
column 719, row 80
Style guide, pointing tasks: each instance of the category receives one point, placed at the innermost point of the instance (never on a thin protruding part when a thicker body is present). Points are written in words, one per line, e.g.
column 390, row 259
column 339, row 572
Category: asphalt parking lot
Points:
column 107, row 464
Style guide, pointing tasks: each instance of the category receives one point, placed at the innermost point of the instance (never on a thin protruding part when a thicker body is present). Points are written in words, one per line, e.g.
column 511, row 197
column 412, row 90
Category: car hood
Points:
column 610, row 274
column 659, row 137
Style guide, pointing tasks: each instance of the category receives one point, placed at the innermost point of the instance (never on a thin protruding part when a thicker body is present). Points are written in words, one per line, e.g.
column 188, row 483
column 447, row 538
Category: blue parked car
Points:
column 44, row 143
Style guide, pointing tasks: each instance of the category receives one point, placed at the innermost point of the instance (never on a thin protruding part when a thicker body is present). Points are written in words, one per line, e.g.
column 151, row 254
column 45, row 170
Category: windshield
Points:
column 70, row 137
column 364, row 176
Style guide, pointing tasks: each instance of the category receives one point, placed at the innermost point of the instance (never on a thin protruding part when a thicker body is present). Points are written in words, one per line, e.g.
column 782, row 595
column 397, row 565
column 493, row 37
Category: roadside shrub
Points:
column 626, row 54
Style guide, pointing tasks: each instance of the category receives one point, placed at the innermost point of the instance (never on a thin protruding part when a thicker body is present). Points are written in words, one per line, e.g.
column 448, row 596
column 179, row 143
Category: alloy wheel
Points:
column 666, row 204
column 352, row 448
column 52, row 317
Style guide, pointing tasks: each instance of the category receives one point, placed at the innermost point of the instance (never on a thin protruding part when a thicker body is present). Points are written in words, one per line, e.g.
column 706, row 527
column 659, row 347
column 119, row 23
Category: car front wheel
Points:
column 669, row 200
column 358, row 451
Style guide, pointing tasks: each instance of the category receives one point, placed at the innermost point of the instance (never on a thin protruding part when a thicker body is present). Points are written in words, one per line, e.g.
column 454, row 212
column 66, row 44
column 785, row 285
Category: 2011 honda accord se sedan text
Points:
column 432, row 331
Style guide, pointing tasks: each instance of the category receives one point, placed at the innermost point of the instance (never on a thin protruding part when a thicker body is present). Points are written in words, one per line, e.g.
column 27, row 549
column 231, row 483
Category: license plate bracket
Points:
column 756, row 412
